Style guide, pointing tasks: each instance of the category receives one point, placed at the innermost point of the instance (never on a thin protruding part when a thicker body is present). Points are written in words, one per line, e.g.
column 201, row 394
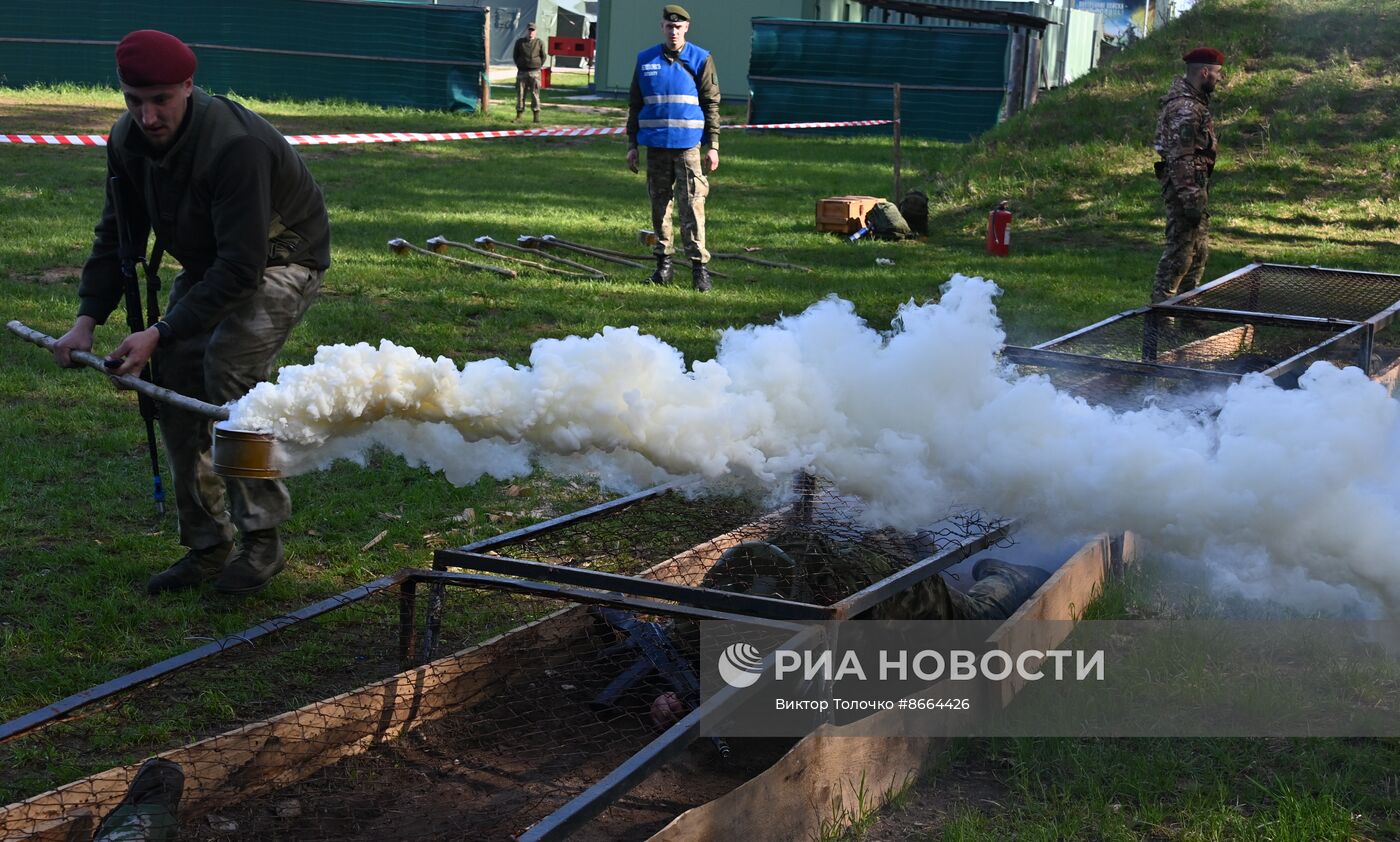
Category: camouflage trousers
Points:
column 675, row 175
column 527, row 84
column 139, row 823
column 834, row 571
column 1184, row 259
column 995, row 596
column 218, row 366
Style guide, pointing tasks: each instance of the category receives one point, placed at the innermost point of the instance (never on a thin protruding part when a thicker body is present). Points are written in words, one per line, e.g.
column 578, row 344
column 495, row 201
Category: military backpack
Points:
column 886, row 223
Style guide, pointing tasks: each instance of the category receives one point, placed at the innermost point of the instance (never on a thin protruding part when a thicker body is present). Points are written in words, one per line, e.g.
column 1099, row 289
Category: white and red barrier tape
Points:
column 421, row 137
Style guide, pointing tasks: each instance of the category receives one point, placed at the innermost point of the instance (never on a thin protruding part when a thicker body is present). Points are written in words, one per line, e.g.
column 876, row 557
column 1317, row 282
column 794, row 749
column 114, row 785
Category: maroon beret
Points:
column 149, row 57
column 1204, row 55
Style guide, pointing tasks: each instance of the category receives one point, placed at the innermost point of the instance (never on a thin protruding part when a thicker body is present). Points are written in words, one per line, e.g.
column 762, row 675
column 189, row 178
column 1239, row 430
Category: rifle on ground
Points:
column 655, row 653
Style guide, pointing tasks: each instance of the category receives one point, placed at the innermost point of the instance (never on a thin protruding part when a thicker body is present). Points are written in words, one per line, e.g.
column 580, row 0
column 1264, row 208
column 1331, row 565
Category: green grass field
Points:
column 1310, row 156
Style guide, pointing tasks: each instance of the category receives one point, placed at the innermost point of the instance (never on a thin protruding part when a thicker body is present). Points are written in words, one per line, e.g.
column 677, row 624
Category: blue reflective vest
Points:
column 671, row 117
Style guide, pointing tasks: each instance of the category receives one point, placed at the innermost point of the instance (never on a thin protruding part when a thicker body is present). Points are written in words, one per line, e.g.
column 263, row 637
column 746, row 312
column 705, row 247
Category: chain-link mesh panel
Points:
column 1188, row 342
column 817, row 530
column 1302, row 291
column 1127, row 392
column 320, row 732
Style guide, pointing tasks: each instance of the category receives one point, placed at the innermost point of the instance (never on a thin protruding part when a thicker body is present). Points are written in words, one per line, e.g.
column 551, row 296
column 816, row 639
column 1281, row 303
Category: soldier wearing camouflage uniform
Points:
column 804, row 564
column 674, row 112
column 812, row 567
column 529, row 59
column 150, row 810
column 226, row 194
column 1186, row 143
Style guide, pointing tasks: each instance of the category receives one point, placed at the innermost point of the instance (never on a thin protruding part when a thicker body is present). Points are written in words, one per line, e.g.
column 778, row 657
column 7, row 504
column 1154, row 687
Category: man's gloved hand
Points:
column 1192, row 214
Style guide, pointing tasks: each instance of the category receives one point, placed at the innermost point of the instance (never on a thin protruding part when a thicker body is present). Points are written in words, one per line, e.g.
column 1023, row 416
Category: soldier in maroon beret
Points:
column 223, row 192
column 1186, row 143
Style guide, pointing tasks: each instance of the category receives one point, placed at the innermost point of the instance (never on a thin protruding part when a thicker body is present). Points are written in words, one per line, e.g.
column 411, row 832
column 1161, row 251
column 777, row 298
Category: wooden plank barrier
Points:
column 792, row 798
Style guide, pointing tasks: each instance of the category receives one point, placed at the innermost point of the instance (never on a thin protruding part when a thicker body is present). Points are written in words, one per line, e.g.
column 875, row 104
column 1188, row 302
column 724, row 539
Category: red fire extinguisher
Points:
column 999, row 231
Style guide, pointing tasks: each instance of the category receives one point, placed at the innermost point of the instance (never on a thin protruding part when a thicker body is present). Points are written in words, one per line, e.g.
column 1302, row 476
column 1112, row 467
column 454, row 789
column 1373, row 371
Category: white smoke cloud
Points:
column 1298, row 491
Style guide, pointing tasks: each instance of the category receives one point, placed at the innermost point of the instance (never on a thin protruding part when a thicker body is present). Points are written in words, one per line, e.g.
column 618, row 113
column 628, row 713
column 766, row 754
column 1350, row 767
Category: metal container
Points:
column 239, row 453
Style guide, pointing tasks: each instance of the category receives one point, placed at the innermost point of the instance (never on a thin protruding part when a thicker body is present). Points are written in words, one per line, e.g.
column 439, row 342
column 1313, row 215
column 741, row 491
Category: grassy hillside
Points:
column 1309, row 123
column 1307, row 175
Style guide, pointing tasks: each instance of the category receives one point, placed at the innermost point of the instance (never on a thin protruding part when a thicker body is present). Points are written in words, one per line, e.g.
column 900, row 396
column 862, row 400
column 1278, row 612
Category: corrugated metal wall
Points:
column 1084, row 34
column 382, row 53
column 953, row 79
column 510, row 17
column 1061, row 50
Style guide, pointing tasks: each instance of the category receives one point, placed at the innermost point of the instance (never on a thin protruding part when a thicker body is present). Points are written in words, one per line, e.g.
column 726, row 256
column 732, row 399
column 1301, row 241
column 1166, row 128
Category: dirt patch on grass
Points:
column 53, row 275
column 610, row 110
column 970, row 784
column 327, row 153
column 58, row 118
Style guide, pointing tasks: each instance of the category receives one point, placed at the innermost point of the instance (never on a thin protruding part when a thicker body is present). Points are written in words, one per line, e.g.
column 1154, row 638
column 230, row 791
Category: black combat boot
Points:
column 192, row 570
column 518, row 115
column 700, row 276
column 537, row 116
column 258, row 560
column 149, row 812
column 664, row 270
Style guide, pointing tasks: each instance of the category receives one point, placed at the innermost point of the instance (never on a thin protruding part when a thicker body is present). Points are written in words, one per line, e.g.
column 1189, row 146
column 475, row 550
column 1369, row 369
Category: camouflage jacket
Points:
column 1186, row 142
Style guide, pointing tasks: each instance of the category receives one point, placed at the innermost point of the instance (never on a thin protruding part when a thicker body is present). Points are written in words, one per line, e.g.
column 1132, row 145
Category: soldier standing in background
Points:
column 529, row 58
column 673, row 110
column 1186, row 143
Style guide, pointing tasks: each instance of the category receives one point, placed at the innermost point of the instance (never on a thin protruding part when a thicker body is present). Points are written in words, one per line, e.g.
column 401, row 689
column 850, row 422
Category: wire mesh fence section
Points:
column 309, row 661
column 1202, row 343
column 324, row 735
column 1125, row 392
column 736, row 544
column 1302, row 291
column 635, row 538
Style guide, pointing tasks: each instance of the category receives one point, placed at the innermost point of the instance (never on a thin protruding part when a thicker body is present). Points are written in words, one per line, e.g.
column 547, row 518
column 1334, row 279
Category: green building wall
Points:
column 626, row 27
column 421, row 56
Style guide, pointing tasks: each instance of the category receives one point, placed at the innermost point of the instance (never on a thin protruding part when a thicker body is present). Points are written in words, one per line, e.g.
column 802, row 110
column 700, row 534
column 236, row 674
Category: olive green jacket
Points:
column 228, row 198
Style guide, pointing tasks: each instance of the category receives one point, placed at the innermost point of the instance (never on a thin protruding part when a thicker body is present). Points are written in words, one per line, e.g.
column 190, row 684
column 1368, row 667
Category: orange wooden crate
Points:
column 844, row 214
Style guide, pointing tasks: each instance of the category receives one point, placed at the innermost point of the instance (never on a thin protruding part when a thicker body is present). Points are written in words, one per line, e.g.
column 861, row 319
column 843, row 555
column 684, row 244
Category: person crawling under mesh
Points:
column 809, row 566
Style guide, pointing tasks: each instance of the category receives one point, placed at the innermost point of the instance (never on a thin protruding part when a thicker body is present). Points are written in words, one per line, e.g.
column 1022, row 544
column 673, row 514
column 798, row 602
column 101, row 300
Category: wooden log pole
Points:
column 898, row 155
column 150, row 390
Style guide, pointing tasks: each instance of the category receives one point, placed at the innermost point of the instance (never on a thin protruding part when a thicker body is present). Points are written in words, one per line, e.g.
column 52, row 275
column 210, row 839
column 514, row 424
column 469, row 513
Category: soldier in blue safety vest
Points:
column 674, row 112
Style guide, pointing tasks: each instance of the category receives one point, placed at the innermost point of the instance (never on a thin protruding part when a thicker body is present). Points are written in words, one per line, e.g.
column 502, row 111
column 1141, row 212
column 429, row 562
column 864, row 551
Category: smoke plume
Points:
column 1291, row 493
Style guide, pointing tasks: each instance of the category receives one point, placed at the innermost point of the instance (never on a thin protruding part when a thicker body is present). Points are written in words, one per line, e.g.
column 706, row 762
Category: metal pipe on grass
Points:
column 648, row 238
column 550, row 241
column 598, row 249
column 489, row 243
column 441, row 244
column 398, row 245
